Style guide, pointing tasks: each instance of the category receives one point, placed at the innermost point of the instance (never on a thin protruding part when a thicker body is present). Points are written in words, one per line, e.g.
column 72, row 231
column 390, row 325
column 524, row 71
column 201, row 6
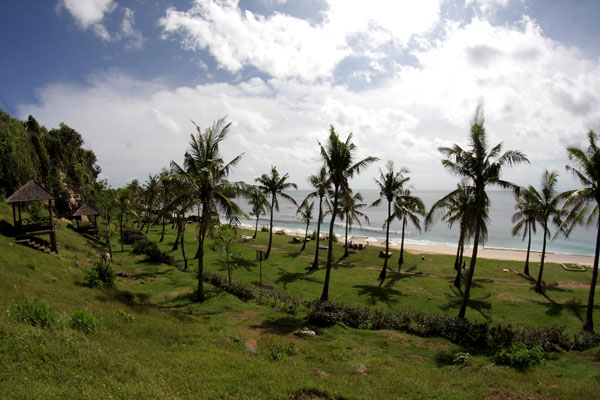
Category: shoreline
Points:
column 484, row 252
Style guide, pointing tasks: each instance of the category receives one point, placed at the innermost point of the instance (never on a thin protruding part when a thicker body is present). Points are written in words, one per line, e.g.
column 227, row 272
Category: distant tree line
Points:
column 55, row 158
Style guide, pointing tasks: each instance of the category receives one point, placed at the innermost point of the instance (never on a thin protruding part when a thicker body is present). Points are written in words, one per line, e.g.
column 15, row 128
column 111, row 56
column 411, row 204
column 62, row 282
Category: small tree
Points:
column 306, row 214
column 224, row 243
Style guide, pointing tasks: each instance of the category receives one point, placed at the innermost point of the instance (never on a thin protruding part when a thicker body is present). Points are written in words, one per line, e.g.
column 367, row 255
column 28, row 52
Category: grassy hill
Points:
column 155, row 342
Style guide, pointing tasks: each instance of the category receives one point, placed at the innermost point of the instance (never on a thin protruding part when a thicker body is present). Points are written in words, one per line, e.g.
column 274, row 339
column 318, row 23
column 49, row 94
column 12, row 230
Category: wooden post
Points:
column 52, row 230
column 20, row 220
column 14, row 215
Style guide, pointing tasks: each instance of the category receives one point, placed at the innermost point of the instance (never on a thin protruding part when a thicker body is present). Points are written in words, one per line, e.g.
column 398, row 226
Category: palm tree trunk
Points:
column 526, row 270
column 538, row 284
column 162, row 236
column 315, row 264
column 383, row 273
column 270, row 228
column 401, row 258
column 588, row 324
column 182, row 229
column 199, row 232
column 346, row 240
column 148, row 217
column 325, row 294
column 458, row 262
column 305, row 236
column 176, row 244
column 256, row 227
column 463, row 306
column 121, row 230
column 228, row 269
column 203, row 223
column 108, row 235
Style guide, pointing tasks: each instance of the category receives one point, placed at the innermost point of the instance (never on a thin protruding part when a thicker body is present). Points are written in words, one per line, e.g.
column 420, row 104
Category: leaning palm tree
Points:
column 350, row 212
column 458, row 209
column 582, row 206
column 524, row 220
column 390, row 186
column 407, row 207
column 306, row 214
column 204, row 174
column 545, row 207
column 152, row 191
column 321, row 184
column 273, row 185
column 258, row 203
column 483, row 167
column 339, row 162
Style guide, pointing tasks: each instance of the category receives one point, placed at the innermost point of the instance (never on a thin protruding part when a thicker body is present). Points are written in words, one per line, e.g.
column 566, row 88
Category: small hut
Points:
column 87, row 210
column 29, row 229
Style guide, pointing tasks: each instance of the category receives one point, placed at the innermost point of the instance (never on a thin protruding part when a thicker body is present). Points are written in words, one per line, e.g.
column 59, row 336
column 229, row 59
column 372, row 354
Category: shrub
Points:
column 236, row 288
column 584, row 340
column 100, row 275
column 151, row 250
column 84, row 320
column 36, row 313
column 125, row 315
column 131, row 235
column 264, row 228
column 462, row 359
column 547, row 338
column 519, row 356
column 280, row 351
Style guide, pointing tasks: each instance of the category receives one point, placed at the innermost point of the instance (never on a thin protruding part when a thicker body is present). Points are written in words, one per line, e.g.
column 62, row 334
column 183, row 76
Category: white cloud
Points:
column 90, row 13
column 539, row 97
column 284, row 46
column 487, row 7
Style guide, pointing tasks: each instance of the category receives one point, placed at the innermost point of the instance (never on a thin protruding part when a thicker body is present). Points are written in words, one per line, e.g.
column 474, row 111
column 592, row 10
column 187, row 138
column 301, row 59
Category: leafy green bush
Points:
column 462, row 358
column 236, row 288
column 36, row 313
column 125, row 315
column 100, row 275
column 584, row 340
column 280, row 351
column 151, row 250
column 131, row 235
column 84, row 320
column 519, row 356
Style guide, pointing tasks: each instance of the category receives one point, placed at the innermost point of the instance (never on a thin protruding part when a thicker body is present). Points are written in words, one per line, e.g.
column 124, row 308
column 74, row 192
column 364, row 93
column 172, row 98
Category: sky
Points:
column 133, row 76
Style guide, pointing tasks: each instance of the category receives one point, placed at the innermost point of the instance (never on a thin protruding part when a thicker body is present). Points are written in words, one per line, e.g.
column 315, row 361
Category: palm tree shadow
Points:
column 245, row 263
column 528, row 278
column 379, row 294
column 454, row 302
column 286, row 277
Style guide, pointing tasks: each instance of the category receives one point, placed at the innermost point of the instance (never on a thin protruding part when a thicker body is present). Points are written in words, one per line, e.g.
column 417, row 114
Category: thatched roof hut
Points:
column 31, row 191
column 85, row 209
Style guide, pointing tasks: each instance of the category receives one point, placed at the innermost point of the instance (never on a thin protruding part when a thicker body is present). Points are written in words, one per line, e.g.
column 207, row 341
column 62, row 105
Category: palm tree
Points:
column 152, row 190
column 407, row 207
column 339, row 162
column 259, row 203
column 306, row 214
column 483, row 167
column 124, row 204
column 165, row 195
column 321, row 184
column 545, row 207
column 350, row 212
column 582, row 206
column 273, row 185
column 390, row 186
column 458, row 206
column 524, row 219
column 204, row 174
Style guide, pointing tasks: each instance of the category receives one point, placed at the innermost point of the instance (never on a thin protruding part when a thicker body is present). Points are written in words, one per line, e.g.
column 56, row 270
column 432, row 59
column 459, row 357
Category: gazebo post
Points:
column 14, row 215
column 52, row 230
column 19, row 207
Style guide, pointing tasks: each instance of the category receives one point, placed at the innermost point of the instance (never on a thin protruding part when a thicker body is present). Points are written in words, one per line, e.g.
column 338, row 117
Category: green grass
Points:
column 153, row 341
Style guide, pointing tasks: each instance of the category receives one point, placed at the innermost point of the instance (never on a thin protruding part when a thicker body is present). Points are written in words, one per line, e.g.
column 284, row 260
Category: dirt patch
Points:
column 313, row 394
column 179, row 291
column 507, row 394
column 416, row 357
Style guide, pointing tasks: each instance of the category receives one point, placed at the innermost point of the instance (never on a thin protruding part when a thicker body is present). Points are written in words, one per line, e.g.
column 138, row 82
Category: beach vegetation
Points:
column 273, row 186
column 338, row 158
column 350, row 212
column 321, row 185
column 306, row 215
column 582, row 206
column 407, row 207
column 482, row 166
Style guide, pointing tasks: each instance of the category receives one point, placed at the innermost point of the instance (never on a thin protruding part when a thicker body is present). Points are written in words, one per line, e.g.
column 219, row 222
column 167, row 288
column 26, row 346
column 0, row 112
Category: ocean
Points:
column 581, row 241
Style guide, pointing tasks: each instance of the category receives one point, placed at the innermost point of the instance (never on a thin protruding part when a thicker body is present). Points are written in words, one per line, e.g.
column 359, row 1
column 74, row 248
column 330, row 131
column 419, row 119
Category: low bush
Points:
column 100, row 275
column 584, row 340
column 131, row 235
column 235, row 288
column 84, row 320
column 145, row 246
column 280, row 351
column 264, row 228
column 519, row 356
column 36, row 313
column 125, row 316
column 279, row 301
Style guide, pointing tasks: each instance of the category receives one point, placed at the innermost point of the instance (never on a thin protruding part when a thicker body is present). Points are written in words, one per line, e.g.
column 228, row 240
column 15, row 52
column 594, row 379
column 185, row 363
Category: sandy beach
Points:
column 497, row 254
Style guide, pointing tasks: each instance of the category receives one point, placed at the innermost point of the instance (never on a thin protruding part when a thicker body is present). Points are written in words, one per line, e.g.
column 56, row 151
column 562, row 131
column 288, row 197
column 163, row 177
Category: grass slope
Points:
column 155, row 342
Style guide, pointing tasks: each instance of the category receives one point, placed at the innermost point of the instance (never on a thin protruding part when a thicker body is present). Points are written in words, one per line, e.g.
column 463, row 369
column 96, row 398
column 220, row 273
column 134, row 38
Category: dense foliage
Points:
column 55, row 158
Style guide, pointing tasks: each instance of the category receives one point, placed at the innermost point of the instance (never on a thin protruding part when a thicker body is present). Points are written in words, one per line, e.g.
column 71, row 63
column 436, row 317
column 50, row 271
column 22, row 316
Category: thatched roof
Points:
column 85, row 209
column 31, row 191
